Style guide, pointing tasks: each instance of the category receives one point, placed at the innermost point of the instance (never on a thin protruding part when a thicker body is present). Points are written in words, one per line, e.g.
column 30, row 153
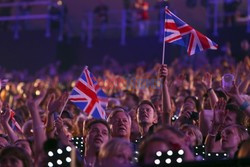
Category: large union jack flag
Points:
column 88, row 96
column 178, row 32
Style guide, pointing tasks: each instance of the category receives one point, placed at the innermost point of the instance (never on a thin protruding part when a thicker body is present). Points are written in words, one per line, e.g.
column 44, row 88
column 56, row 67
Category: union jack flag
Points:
column 88, row 96
column 178, row 32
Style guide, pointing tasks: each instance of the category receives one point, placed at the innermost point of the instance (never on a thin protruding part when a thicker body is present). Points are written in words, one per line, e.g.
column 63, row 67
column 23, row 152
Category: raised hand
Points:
column 234, row 91
column 56, row 105
column 219, row 112
column 5, row 116
column 164, row 71
column 33, row 103
column 59, row 124
column 207, row 80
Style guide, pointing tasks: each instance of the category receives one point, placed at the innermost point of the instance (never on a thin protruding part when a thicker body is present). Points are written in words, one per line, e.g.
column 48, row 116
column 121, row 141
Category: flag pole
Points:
column 164, row 44
column 163, row 52
column 64, row 106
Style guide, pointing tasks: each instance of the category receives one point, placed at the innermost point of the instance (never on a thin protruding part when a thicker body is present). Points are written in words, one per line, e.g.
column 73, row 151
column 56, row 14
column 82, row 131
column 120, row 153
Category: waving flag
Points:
column 14, row 122
column 178, row 32
column 88, row 96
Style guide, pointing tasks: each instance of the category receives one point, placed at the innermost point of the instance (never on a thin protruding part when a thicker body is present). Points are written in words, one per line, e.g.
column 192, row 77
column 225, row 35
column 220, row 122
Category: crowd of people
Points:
column 150, row 112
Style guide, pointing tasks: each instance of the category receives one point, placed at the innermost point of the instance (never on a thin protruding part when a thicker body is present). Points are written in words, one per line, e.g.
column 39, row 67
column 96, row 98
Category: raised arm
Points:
column 244, row 85
column 207, row 82
column 38, row 126
column 54, row 108
column 165, row 96
column 244, row 104
column 218, row 120
column 5, row 117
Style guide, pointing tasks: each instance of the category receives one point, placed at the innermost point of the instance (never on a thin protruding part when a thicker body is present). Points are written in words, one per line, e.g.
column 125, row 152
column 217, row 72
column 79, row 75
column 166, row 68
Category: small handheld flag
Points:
column 88, row 96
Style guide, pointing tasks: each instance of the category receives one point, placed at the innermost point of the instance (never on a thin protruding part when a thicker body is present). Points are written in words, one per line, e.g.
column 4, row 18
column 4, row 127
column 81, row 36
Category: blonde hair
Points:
column 195, row 130
column 112, row 147
column 116, row 110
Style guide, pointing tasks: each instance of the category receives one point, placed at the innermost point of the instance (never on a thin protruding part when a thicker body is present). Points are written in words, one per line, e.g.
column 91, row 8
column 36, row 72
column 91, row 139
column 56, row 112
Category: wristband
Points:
column 244, row 105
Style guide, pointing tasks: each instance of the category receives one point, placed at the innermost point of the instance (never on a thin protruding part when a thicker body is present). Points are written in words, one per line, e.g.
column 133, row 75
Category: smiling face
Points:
column 98, row 134
column 121, row 125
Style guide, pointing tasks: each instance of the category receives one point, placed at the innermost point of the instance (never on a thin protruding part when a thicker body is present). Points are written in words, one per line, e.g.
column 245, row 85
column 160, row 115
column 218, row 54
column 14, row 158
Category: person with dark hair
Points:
column 189, row 112
column 13, row 156
column 96, row 133
column 146, row 116
column 130, row 100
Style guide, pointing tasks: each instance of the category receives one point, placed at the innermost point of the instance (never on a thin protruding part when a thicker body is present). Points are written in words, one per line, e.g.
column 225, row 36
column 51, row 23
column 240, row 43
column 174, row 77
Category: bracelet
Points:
column 209, row 90
column 244, row 105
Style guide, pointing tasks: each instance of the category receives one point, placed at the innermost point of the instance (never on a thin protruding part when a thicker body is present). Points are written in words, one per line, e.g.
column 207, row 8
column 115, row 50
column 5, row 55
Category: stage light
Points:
column 59, row 162
column 157, row 161
column 179, row 160
column 180, row 152
column 168, row 161
column 50, row 153
column 68, row 159
column 59, row 151
column 68, row 148
column 170, row 152
column 159, row 153
column 50, row 164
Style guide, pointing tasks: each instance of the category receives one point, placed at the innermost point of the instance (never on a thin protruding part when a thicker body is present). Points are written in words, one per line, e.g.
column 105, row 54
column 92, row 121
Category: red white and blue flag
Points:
column 88, row 96
column 178, row 32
